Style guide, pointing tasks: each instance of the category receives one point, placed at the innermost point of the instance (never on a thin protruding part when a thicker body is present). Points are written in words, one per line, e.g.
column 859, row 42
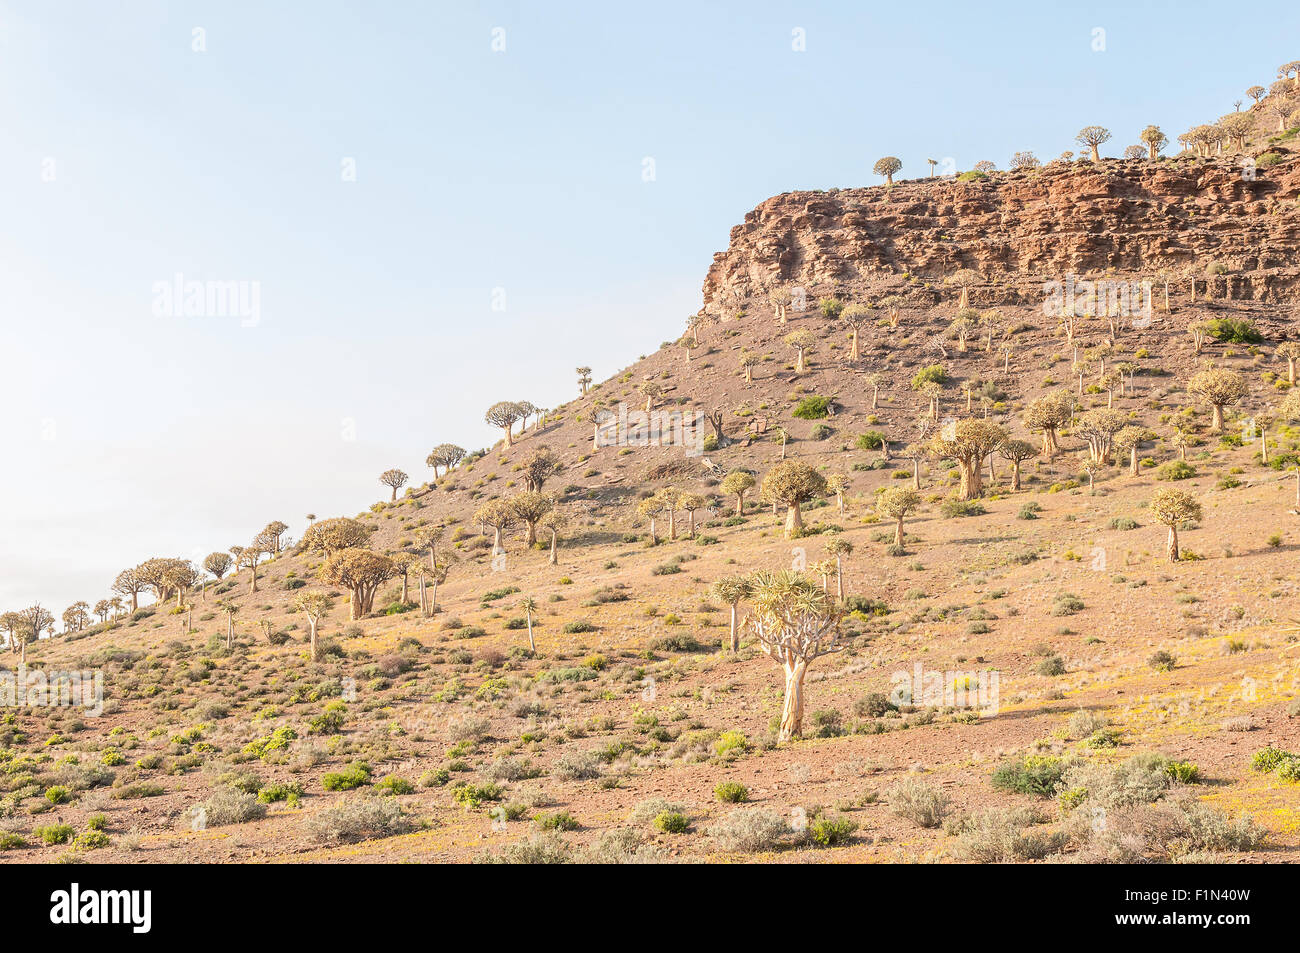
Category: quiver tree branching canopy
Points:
column 855, row 318
column 129, row 582
column 1097, row 428
column 1219, row 388
column 791, row 484
column 800, row 342
column 76, row 617
column 964, row 278
column 795, row 622
column 1289, row 351
column 331, row 535
column 554, row 524
column 33, row 620
column 271, row 534
column 1154, row 140
column 584, row 379
column 395, row 479
column 360, row 571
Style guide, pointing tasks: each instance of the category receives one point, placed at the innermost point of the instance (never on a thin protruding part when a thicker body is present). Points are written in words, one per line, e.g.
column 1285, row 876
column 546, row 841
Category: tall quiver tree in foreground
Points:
column 1173, row 508
column 396, row 479
column 314, row 605
column 791, row 484
column 732, row 590
column 530, row 506
column 794, row 622
column 737, row 483
column 1219, row 388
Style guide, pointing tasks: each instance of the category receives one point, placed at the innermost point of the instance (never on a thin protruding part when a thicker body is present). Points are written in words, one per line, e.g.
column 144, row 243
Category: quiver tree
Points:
column 652, row 391
column 1289, row 351
column 1237, row 126
column 360, row 571
column 1256, row 93
column 529, row 605
column 102, row 609
column 887, row 167
column 1090, row 467
column 962, row 326
column 794, row 622
column 732, row 590
column 747, row 364
column 395, row 479
column 500, row 515
column 737, row 483
column 1092, row 137
column 1016, row 452
column 1098, row 428
column 130, row 583
column 553, row 524
column 331, row 535
column 76, row 617
column 1154, row 139
column 249, row 558
column 791, row 484
column 800, row 342
column 990, row 320
column 839, row 549
column 895, row 503
column 855, row 318
column 445, row 455
column 541, row 465
column 231, row 609
column 1219, row 388
column 428, row 537
column 1197, row 329
column 779, row 299
column 875, row 380
column 649, row 509
column 1023, row 161
column 964, row 278
column 271, row 534
column 35, row 619
column 1173, row 508
column 584, row 379
column 313, row 605
column 891, row 304
column 503, row 414
column 530, row 506
column 427, row 576
column 1291, row 69
column 838, row 483
column 1048, row 414
column 690, row 502
column 968, row 443
column 402, row 563
column 1126, row 442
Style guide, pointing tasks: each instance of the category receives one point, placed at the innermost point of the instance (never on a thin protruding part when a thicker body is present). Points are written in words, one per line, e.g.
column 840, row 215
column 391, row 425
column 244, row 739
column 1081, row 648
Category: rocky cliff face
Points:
column 1235, row 233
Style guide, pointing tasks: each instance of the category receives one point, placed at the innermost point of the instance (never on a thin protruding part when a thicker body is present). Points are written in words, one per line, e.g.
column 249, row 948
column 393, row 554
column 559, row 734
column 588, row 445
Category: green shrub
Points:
column 353, row 776
column 813, row 408
column 831, row 831
column 54, row 833
column 731, row 792
column 1036, row 774
column 672, row 822
column 1176, row 470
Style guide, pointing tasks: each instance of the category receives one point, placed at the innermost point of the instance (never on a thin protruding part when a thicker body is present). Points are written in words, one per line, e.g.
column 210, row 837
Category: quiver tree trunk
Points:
column 793, row 519
column 792, row 708
column 735, row 633
column 1172, row 547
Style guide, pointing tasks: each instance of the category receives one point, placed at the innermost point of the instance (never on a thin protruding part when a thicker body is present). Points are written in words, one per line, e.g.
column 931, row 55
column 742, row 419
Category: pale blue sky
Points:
column 129, row 157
